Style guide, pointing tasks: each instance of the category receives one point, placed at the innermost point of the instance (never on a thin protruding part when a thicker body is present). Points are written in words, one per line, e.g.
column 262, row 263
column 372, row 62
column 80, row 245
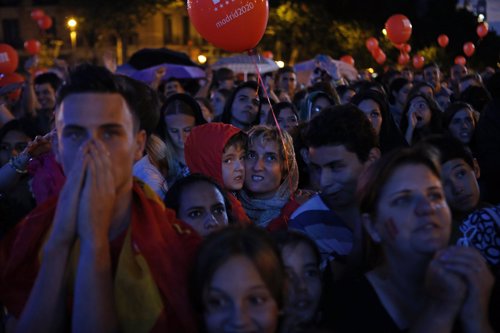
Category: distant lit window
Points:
column 167, row 29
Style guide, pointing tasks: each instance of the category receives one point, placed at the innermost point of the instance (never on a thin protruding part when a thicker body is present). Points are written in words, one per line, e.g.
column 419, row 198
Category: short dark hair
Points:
column 248, row 241
column 431, row 64
column 50, row 78
column 342, row 125
column 142, row 100
column 173, row 197
column 449, row 149
column 240, row 139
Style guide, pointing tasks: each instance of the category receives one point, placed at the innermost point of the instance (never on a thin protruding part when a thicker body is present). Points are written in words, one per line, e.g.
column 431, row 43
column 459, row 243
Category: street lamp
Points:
column 72, row 23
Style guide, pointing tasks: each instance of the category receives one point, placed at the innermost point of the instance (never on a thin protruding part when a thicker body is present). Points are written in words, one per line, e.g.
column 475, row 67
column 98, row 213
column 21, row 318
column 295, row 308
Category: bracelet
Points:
column 17, row 162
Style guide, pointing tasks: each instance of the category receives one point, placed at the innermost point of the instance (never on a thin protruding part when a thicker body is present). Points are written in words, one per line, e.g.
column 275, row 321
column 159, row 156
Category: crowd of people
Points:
column 264, row 205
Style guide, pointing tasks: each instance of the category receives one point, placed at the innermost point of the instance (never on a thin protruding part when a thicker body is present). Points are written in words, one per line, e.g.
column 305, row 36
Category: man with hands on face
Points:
column 106, row 243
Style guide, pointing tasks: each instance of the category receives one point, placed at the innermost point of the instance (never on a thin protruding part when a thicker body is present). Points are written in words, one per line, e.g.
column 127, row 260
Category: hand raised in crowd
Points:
column 95, row 210
column 40, row 145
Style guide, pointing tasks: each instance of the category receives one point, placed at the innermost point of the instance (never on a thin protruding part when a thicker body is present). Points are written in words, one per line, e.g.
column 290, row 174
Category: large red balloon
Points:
column 418, row 61
column 398, row 29
column 32, row 46
column 469, row 49
column 9, row 79
column 347, row 59
column 232, row 25
column 37, row 14
column 45, row 22
column 443, row 40
column 8, row 59
column 371, row 44
column 403, row 58
column 460, row 60
column 482, row 29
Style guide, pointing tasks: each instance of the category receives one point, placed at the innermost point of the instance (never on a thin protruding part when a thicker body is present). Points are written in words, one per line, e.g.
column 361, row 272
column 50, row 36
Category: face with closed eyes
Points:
column 237, row 300
column 263, row 167
column 179, row 127
column 202, row 207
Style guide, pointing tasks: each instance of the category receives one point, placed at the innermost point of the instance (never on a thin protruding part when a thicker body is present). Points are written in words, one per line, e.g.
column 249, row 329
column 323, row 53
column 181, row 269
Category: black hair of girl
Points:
column 435, row 125
column 278, row 107
column 249, row 241
column 174, row 194
column 18, row 126
column 179, row 104
column 390, row 136
column 227, row 113
column 294, row 238
column 395, row 86
column 452, row 109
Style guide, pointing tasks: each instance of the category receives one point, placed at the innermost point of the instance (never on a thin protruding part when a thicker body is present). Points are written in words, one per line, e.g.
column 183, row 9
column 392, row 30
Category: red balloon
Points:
column 268, row 55
column 482, row 29
column 406, row 48
column 469, row 49
column 398, row 29
column 403, row 58
column 443, row 40
column 45, row 22
column 37, row 14
column 371, row 44
column 376, row 51
column 347, row 59
column 460, row 60
column 9, row 79
column 32, row 46
column 234, row 26
column 8, row 59
column 418, row 61
column 380, row 58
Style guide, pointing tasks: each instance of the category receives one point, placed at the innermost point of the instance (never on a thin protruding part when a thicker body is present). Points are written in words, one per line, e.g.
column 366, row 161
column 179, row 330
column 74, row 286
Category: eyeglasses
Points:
column 18, row 146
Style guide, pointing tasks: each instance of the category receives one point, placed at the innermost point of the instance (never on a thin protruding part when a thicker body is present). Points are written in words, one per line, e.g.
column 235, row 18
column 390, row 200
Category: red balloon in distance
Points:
column 45, row 22
column 37, row 14
column 482, row 29
column 371, row 44
column 32, row 46
column 268, row 55
column 460, row 60
column 9, row 79
column 8, row 59
column 406, row 48
column 347, row 59
column 403, row 58
column 380, row 58
column 418, row 61
column 234, row 26
column 376, row 51
column 398, row 28
column 443, row 40
column 469, row 49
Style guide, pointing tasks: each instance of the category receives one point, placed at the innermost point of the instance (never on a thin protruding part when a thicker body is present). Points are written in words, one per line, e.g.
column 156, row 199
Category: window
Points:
column 186, row 30
column 167, row 29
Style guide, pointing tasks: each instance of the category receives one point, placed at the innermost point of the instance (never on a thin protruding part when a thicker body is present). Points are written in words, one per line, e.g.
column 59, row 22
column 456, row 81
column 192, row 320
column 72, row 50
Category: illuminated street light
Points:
column 384, row 32
column 72, row 23
column 480, row 18
column 280, row 64
column 202, row 59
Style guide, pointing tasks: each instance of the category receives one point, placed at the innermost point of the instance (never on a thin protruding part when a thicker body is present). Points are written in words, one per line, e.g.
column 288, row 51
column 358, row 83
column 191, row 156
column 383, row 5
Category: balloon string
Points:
column 260, row 83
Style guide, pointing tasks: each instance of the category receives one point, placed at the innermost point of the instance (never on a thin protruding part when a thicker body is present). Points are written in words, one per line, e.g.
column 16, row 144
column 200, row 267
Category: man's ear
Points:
column 369, row 225
column 477, row 169
column 140, row 142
